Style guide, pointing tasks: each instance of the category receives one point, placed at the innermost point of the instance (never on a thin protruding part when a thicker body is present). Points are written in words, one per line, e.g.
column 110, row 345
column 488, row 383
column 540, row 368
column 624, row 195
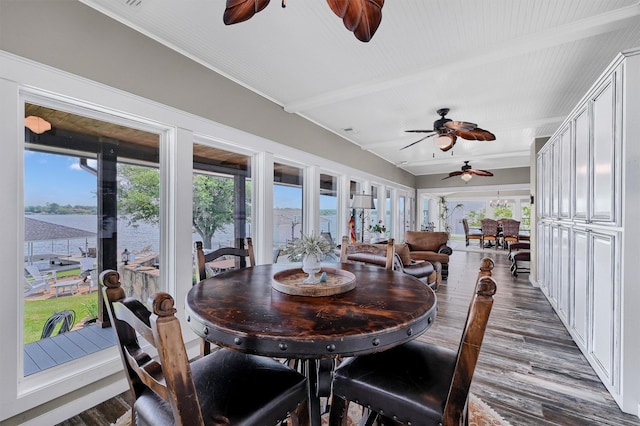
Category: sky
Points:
column 52, row 178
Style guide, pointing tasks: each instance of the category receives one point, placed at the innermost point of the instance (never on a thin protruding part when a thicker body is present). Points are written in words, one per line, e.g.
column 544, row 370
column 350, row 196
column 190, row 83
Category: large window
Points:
column 329, row 208
column 91, row 202
column 221, row 199
column 287, row 206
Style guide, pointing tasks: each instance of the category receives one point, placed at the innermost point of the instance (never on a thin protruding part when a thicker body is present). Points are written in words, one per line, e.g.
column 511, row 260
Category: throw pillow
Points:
column 404, row 253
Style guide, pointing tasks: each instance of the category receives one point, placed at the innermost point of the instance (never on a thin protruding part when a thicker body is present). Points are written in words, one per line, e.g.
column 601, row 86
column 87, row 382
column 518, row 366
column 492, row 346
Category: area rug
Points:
column 480, row 414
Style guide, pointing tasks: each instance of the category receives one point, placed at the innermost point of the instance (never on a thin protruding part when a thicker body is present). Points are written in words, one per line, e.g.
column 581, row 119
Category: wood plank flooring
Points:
column 529, row 371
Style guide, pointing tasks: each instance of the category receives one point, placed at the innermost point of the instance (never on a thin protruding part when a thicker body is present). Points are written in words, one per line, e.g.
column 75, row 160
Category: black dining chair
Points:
column 418, row 383
column 225, row 387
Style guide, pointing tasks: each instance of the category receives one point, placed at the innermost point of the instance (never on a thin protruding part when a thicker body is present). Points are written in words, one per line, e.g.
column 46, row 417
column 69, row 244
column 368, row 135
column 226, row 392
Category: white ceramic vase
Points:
column 311, row 266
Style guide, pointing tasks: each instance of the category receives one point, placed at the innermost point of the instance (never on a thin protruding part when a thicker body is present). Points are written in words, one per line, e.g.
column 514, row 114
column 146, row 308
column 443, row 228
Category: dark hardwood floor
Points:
column 529, row 371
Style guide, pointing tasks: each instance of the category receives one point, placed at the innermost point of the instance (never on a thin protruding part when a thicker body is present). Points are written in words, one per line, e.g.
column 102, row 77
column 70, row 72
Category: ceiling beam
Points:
column 582, row 29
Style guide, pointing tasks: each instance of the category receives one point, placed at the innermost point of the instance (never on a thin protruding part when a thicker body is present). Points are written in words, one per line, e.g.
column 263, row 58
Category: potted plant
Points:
column 311, row 249
column 378, row 229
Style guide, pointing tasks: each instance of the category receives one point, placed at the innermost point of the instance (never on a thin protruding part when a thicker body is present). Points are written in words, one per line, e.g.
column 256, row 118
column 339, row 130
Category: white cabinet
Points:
column 581, row 164
column 588, row 227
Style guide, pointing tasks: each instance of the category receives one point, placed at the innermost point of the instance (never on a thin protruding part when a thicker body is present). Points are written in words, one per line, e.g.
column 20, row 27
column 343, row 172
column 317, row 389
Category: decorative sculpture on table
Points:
column 311, row 249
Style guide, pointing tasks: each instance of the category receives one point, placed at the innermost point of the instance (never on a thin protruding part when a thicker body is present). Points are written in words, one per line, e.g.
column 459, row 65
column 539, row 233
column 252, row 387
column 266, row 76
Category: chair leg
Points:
column 338, row 412
column 205, row 347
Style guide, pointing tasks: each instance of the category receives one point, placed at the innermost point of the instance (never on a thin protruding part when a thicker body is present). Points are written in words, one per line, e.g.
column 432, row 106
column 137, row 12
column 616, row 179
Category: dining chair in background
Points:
column 207, row 261
column 469, row 234
column 418, row 382
column 225, row 387
column 238, row 255
column 510, row 232
column 489, row 231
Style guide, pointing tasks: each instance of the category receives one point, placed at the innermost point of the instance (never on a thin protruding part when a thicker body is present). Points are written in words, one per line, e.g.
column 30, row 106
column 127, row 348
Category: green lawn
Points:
column 36, row 312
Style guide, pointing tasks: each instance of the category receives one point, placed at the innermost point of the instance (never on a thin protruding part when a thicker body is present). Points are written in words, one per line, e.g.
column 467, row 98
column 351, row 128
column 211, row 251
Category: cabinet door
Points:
column 540, row 182
column 581, row 169
column 547, row 169
column 604, row 149
column 605, row 306
column 553, row 263
column 555, row 178
column 580, row 285
column 564, row 287
column 564, row 165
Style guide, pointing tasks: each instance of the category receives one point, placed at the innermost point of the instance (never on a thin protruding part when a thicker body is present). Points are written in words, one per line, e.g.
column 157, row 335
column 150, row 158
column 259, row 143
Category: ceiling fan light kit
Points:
column 466, row 177
column 361, row 17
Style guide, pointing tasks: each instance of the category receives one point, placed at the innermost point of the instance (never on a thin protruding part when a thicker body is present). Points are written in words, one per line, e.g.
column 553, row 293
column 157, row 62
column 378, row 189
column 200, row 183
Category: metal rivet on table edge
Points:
column 283, row 346
column 376, row 342
column 331, row 347
column 409, row 332
column 205, row 331
column 237, row 341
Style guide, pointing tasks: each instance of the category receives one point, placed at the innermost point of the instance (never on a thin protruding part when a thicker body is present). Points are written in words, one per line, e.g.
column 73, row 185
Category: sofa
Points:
column 430, row 246
column 375, row 254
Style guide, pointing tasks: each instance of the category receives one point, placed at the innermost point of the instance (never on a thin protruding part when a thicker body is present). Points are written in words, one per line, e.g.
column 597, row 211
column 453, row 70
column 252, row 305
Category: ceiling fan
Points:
column 466, row 173
column 362, row 17
column 449, row 131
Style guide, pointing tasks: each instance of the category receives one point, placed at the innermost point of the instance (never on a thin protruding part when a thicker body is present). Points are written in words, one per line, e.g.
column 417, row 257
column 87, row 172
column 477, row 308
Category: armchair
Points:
column 431, row 246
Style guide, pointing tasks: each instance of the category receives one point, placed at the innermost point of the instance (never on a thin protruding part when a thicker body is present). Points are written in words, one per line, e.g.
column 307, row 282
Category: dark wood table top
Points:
column 240, row 310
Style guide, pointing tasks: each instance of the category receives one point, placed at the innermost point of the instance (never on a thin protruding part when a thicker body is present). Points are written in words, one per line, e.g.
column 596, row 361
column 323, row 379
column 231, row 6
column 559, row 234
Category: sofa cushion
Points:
column 431, row 256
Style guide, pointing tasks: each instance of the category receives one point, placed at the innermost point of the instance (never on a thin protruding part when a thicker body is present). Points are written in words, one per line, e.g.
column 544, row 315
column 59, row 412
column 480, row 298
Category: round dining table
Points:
column 241, row 310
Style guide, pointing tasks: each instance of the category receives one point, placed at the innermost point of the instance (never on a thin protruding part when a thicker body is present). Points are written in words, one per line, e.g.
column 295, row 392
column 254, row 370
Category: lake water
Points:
column 130, row 237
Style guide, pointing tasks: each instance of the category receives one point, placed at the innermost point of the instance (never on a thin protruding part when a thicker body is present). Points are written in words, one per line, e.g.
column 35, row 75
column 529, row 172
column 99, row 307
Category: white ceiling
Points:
column 516, row 68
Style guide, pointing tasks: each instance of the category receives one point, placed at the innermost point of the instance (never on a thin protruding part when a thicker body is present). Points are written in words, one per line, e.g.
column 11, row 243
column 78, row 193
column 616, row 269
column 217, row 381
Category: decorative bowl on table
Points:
column 334, row 281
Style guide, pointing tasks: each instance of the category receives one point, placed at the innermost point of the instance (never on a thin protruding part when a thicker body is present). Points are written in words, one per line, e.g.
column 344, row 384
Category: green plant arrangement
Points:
column 378, row 228
column 309, row 245
column 445, row 214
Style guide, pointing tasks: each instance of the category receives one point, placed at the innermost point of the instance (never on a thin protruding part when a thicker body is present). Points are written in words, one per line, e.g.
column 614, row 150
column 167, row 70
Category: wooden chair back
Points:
column 470, row 343
column 239, row 253
column 170, row 375
column 510, row 230
column 468, row 235
column 375, row 254
column 489, row 229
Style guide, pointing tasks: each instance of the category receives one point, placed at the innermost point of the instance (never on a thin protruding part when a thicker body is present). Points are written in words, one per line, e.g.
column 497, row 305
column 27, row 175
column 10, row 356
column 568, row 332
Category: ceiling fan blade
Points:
column 420, row 131
column 460, row 126
column 452, row 174
column 362, row 17
column 480, row 172
column 419, row 140
column 453, row 139
column 477, row 134
column 242, row 10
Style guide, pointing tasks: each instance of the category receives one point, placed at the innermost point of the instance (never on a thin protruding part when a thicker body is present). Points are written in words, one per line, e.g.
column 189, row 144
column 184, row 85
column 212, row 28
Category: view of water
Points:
column 132, row 238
